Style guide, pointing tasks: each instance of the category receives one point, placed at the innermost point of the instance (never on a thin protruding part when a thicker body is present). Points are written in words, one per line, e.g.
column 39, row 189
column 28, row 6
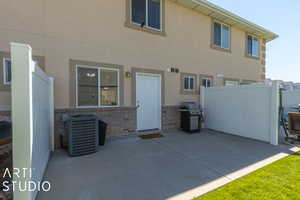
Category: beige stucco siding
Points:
column 94, row 31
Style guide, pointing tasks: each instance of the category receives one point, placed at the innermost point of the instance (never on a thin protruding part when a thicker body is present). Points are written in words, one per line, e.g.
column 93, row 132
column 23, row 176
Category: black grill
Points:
column 191, row 117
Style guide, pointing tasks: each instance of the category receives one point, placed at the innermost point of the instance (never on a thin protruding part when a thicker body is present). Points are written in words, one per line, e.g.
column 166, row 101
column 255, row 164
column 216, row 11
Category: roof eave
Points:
column 221, row 14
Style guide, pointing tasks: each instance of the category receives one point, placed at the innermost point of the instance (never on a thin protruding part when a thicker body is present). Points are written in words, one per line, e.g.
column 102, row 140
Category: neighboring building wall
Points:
column 288, row 86
column 60, row 31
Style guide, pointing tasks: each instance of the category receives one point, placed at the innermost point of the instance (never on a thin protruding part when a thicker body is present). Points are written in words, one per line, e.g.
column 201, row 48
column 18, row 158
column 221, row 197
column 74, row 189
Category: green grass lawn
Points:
column 280, row 180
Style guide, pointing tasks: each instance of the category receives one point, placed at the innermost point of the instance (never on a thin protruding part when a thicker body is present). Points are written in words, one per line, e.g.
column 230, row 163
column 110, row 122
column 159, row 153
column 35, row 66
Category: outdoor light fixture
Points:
column 127, row 74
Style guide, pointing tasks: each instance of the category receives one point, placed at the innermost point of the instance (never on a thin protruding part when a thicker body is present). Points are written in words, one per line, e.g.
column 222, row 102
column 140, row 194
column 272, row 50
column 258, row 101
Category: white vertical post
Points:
column 202, row 96
column 274, row 114
column 51, row 101
column 202, row 100
column 22, row 114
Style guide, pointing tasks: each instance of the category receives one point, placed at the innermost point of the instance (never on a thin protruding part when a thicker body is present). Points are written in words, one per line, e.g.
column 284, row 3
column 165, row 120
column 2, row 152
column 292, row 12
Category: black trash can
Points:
column 102, row 132
column 5, row 130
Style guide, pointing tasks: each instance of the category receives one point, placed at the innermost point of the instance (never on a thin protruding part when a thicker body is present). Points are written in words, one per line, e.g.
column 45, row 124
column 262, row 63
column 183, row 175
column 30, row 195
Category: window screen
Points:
column 154, row 13
column 225, row 37
column 109, row 87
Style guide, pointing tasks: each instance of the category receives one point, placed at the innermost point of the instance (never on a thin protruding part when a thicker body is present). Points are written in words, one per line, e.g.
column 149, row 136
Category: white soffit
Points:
column 227, row 17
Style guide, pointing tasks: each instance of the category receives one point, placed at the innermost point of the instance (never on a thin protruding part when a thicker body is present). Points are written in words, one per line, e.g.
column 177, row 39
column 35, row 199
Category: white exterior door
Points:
column 148, row 100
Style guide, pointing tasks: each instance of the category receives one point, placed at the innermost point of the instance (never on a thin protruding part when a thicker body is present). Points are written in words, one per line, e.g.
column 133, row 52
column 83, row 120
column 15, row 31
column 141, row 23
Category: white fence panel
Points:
column 250, row 111
column 41, row 145
column 32, row 117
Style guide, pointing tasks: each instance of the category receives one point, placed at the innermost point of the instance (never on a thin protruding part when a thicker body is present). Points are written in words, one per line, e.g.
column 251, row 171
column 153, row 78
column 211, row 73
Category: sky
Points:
column 282, row 18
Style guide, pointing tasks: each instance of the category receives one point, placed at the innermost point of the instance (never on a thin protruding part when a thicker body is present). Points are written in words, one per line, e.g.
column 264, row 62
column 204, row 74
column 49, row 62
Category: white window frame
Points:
column 256, row 38
column 5, row 71
column 189, row 89
column 207, row 78
column 99, row 85
column 229, row 36
column 146, row 17
column 232, row 81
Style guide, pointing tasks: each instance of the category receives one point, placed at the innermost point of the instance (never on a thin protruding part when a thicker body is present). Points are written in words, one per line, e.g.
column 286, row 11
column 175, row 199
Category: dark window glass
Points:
column 7, row 71
column 217, row 34
column 87, row 84
column 154, row 13
column 109, row 87
column 186, row 83
column 249, row 45
column 191, row 83
column 206, row 82
column 138, row 11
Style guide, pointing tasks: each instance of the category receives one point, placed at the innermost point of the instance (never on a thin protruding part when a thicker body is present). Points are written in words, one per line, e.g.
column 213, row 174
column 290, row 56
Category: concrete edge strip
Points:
column 203, row 189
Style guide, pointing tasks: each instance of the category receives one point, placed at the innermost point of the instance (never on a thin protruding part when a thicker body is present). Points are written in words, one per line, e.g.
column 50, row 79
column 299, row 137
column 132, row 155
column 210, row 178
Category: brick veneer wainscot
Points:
column 121, row 121
column 170, row 118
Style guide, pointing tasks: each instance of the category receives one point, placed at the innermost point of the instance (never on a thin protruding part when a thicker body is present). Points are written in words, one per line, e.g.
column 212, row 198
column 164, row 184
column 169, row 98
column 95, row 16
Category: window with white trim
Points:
column 97, row 86
column 147, row 13
column 252, row 46
column 221, row 35
column 7, row 71
column 206, row 82
column 189, row 83
column 231, row 83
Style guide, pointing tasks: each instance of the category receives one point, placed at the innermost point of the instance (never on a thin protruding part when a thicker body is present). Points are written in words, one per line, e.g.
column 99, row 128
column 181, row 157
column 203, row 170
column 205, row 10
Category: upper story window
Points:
column 221, row 35
column 189, row 83
column 147, row 13
column 7, row 71
column 97, row 86
column 252, row 46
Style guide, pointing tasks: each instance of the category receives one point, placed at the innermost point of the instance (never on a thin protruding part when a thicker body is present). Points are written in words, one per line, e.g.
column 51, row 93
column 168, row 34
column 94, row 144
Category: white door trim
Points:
column 159, row 95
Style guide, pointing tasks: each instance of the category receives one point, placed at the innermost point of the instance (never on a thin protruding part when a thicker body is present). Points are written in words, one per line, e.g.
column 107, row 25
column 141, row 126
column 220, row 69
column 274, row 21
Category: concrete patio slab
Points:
column 177, row 166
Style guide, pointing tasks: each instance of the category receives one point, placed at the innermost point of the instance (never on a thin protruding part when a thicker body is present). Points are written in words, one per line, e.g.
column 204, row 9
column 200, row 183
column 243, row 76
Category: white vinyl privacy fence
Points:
column 32, row 118
column 250, row 111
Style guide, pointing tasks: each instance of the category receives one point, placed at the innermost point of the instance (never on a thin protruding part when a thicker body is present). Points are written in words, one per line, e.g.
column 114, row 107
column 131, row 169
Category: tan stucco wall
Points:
column 94, row 31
